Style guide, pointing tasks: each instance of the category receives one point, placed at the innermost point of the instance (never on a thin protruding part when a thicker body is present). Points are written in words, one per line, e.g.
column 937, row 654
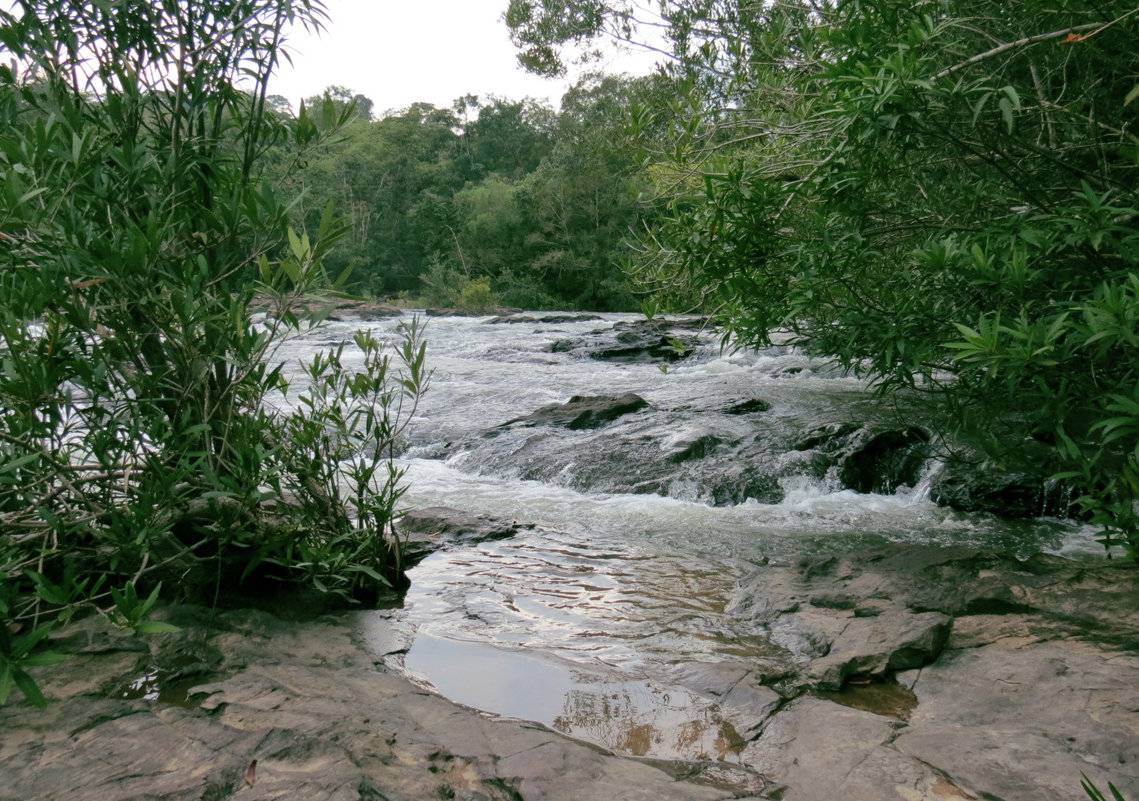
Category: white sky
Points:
column 398, row 53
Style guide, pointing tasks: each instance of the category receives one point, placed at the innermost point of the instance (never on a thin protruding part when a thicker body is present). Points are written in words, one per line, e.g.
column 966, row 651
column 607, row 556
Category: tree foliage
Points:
column 136, row 226
column 939, row 193
column 489, row 202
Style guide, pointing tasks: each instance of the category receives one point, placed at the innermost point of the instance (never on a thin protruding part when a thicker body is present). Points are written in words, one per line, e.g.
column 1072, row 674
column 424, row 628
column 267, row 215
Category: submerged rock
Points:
column 640, row 341
column 583, row 412
column 424, row 531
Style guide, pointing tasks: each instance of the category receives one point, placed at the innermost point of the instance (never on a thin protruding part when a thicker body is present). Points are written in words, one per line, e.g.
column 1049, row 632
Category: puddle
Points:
column 630, row 716
column 888, row 699
column 172, row 682
column 156, row 685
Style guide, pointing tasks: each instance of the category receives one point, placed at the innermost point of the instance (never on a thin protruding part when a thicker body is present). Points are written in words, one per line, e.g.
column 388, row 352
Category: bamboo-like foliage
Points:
column 136, row 228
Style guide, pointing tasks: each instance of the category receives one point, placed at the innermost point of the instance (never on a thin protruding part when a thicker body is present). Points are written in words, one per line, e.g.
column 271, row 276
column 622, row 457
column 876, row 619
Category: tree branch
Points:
column 1010, row 45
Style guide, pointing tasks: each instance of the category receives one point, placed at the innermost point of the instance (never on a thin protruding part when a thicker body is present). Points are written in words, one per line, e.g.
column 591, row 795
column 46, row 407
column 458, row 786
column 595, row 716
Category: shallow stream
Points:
column 589, row 622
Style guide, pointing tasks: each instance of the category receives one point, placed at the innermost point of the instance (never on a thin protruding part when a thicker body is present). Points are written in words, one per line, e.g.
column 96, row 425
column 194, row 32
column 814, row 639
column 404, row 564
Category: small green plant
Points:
column 1096, row 794
column 451, row 287
column 20, row 651
column 130, row 611
column 475, row 295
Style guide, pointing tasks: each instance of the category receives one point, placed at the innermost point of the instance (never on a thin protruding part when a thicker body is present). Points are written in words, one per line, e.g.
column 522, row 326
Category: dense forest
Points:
column 490, row 202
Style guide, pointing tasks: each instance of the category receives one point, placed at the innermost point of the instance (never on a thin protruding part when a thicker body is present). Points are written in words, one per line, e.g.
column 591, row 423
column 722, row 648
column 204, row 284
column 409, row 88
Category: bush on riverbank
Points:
column 137, row 447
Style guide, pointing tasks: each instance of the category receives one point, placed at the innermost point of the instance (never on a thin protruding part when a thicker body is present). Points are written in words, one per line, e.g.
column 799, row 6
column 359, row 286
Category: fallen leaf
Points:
column 251, row 773
column 90, row 282
column 1073, row 37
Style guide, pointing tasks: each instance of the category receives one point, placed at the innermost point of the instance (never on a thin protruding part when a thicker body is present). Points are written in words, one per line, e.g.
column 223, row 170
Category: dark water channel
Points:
column 593, row 621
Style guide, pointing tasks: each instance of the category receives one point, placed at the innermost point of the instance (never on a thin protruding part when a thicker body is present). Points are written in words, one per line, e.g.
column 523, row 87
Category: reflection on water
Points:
column 156, row 685
column 637, row 717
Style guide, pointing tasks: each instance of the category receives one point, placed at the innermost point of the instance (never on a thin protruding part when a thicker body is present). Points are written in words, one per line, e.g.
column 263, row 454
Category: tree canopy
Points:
column 939, row 193
column 514, row 202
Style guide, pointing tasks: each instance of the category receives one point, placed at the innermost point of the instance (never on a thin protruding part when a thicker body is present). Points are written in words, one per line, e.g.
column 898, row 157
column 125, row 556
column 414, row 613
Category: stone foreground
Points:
column 957, row 675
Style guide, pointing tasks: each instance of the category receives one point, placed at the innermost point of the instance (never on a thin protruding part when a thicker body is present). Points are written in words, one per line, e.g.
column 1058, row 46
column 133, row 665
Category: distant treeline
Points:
column 491, row 201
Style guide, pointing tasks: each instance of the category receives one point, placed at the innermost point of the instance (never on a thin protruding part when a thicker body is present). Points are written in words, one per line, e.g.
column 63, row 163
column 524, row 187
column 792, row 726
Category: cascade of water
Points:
column 639, row 543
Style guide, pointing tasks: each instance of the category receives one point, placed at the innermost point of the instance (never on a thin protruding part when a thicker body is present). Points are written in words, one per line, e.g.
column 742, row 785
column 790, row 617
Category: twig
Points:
column 1040, row 37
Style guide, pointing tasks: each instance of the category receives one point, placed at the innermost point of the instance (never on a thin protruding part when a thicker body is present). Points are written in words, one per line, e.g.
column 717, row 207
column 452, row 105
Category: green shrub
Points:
column 137, row 450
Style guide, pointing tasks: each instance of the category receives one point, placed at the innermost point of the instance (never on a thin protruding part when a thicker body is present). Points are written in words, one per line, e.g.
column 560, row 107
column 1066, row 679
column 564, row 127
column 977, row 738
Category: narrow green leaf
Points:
column 1006, row 112
column 43, row 658
column 30, row 689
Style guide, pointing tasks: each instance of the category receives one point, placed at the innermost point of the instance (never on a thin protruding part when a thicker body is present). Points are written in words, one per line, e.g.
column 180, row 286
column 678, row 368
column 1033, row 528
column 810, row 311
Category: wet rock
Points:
column 548, row 319
column 691, row 448
column 829, row 437
column 583, row 412
column 869, row 458
column 305, row 702
column 499, row 311
column 868, row 615
column 753, row 406
column 738, row 689
column 363, row 310
column 816, row 749
column 888, row 460
column 737, row 485
column 1015, row 706
column 427, row 530
column 1022, row 721
column 972, row 489
column 1011, row 706
column 332, row 308
column 640, row 341
column 869, row 647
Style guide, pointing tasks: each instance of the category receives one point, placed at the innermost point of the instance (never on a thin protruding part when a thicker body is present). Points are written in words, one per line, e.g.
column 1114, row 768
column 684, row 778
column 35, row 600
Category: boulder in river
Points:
column 637, row 342
column 973, row 488
column 583, row 412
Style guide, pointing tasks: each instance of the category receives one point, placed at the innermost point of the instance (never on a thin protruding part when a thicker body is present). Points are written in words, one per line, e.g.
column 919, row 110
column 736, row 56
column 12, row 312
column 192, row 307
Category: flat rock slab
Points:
column 992, row 679
column 1021, row 722
column 819, row 750
column 305, row 701
column 1020, row 676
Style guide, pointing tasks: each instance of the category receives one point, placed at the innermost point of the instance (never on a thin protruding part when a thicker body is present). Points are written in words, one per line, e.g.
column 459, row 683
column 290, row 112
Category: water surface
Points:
column 584, row 622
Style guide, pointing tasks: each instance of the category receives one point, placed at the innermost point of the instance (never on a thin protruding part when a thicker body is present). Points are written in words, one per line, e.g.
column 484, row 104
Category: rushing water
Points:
column 588, row 622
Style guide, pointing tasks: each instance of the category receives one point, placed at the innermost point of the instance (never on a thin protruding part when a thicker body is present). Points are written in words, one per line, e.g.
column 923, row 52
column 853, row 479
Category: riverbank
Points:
column 183, row 716
column 917, row 673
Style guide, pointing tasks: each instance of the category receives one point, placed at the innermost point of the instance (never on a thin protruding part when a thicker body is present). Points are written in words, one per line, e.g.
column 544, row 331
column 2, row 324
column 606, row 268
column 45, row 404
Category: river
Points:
column 589, row 621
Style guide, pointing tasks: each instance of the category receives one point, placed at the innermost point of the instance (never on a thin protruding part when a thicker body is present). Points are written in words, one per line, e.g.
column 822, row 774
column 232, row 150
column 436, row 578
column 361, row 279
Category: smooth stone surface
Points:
column 305, row 701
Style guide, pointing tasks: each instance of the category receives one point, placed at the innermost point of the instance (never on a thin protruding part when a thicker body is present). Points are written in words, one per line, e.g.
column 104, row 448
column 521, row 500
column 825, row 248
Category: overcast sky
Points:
column 399, row 53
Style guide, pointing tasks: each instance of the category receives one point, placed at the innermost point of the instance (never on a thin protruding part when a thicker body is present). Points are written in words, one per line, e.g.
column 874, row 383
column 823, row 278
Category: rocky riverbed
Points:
column 905, row 672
